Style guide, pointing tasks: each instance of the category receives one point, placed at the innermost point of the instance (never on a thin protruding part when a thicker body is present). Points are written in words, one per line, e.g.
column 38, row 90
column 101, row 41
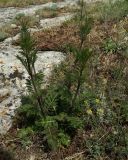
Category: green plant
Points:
column 110, row 46
column 105, row 103
column 58, row 116
column 24, row 134
column 28, row 57
column 81, row 54
column 70, row 105
column 88, row 97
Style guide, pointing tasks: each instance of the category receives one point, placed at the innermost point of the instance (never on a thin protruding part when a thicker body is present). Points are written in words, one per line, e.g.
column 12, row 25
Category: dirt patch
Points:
column 14, row 146
column 57, row 38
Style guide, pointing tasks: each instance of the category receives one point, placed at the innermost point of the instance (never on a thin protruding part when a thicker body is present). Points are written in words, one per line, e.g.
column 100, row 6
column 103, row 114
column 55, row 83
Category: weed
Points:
column 110, row 46
column 56, row 114
column 82, row 96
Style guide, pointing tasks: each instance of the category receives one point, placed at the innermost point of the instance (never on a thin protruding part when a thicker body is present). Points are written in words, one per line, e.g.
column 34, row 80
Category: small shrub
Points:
column 54, row 111
column 25, row 134
column 90, row 98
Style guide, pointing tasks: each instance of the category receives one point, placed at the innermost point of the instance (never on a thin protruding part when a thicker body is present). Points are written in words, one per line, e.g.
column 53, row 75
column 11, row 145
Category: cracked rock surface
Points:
column 13, row 80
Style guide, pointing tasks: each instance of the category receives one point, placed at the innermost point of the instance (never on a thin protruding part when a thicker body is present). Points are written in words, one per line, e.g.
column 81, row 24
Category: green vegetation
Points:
column 85, row 104
column 55, row 111
column 75, row 104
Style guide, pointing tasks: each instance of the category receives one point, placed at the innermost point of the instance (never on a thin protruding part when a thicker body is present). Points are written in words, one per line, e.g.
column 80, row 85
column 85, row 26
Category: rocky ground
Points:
column 52, row 33
column 12, row 73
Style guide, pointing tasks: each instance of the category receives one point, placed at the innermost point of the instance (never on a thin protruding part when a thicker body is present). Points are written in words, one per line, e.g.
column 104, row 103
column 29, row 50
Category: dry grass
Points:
column 19, row 3
column 14, row 145
column 51, row 13
column 9, row 30
column 57, row 38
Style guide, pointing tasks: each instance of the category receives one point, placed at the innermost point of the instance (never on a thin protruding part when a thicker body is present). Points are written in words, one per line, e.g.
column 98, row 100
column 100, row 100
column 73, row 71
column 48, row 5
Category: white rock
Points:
column 13, row 26
column 9, row 13
column 37, row 16
column 14, row 86
column 4, row 92
column 53, row 22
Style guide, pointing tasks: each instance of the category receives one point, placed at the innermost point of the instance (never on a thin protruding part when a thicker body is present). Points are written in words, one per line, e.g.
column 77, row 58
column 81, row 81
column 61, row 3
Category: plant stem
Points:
column 78, row 87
